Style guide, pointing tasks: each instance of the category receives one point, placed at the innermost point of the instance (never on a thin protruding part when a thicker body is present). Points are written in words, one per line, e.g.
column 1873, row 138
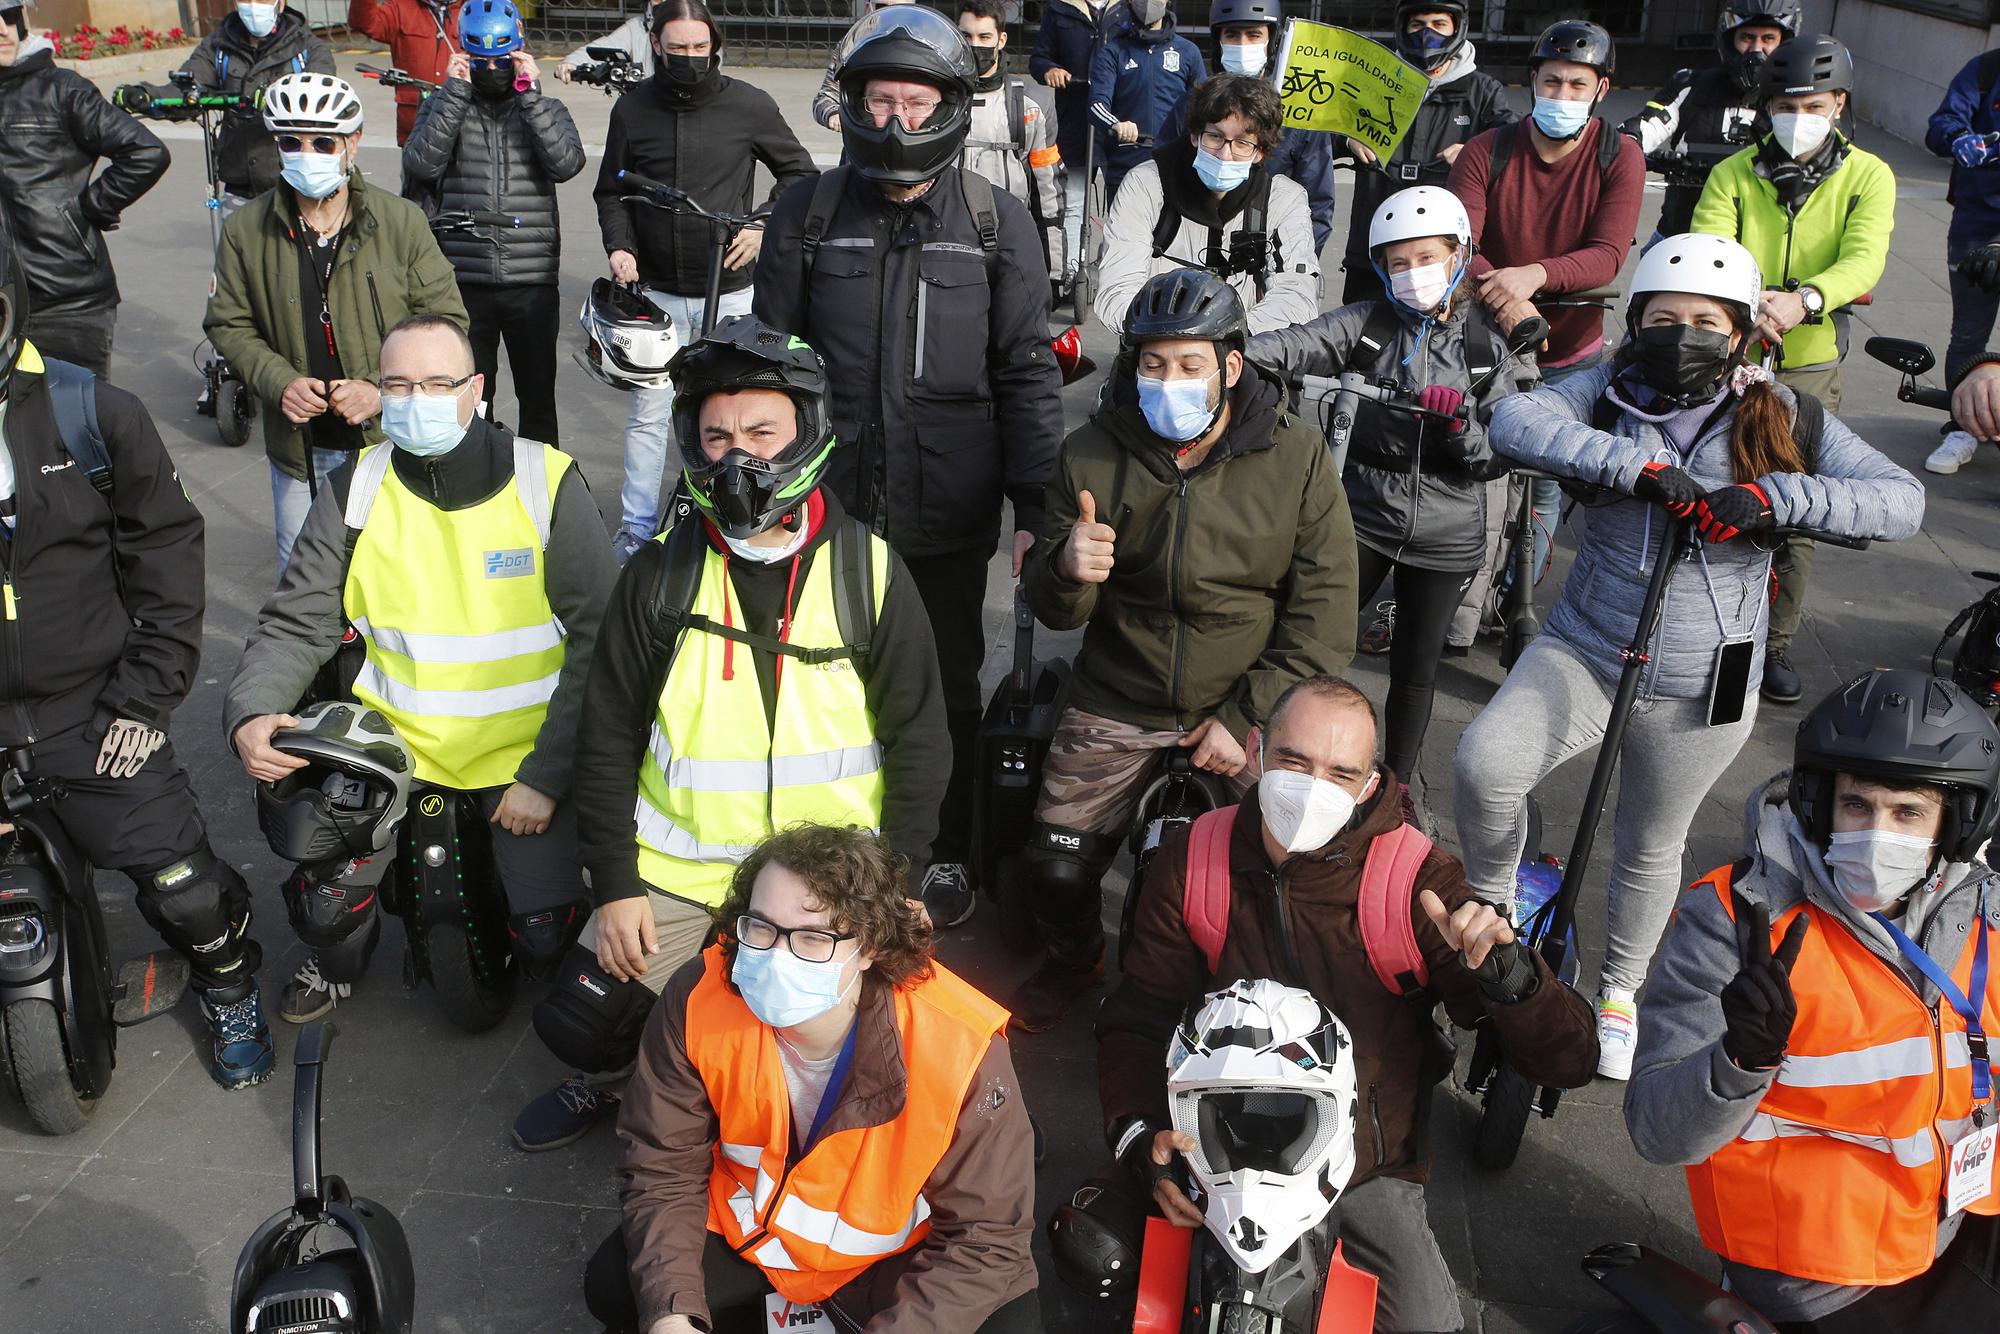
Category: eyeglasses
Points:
column 921, row 108
column 808, row 943
column 492, row 62
column 324, row 144
column 1240, row 149
column 436, row 386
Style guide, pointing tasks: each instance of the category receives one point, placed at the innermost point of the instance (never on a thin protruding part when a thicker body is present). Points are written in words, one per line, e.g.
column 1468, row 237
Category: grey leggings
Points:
column 1552, row 707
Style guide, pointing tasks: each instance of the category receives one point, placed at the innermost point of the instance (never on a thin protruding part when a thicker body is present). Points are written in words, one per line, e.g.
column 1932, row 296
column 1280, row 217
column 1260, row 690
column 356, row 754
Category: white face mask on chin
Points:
column 1303, row 812
column 1874, row 869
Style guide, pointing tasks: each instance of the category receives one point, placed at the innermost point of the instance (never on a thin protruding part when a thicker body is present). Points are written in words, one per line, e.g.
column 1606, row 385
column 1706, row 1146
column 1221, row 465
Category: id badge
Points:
column 782, row 1314
column 1970, row 1178
column 1729, row 682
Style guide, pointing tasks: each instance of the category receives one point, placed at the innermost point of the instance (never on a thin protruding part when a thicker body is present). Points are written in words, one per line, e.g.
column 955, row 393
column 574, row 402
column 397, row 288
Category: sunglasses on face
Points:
column 319, row 143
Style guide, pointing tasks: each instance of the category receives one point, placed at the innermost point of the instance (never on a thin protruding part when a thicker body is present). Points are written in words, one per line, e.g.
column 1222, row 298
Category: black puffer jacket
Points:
column 707, row 141
column 231, row 62
column 504, row 155
column 53, row 127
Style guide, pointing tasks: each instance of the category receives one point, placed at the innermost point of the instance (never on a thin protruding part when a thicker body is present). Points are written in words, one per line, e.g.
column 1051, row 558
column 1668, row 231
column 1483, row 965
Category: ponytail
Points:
column 1761, row 440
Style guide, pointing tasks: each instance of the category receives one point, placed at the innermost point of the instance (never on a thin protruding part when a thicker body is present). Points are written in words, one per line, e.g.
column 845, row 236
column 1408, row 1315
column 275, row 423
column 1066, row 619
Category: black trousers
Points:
column 80, row 337
column 735, row 1289
column 953, row 587
column 1425, row 601
column 526, row 317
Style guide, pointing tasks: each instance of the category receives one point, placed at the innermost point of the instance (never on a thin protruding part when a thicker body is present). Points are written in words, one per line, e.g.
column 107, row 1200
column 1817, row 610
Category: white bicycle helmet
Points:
column 1262, row 1077
column 1711, row 266
column 1421, row 210
column 629, row 339
column 304, row 103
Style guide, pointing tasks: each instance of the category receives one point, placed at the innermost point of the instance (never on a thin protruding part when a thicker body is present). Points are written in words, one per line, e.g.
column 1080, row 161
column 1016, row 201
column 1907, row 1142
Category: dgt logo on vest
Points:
column 510, row 564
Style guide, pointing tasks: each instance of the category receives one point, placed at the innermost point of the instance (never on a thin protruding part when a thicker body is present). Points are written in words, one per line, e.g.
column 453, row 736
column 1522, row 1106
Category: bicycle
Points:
column 395, row 78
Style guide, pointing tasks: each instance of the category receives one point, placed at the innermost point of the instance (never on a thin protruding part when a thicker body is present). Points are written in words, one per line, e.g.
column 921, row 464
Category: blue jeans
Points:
column 649, row 431
column 1972, row 310
column 290, row 499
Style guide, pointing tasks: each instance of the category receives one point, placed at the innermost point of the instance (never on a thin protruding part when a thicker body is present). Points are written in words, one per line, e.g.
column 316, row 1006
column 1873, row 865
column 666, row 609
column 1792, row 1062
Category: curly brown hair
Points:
column 861, row 882
column 1223, row 95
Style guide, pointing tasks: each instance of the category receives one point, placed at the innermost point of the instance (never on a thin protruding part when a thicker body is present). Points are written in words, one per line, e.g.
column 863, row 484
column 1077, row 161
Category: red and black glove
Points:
column 1730, row 511
column 1445, row 401
column 1670, row 486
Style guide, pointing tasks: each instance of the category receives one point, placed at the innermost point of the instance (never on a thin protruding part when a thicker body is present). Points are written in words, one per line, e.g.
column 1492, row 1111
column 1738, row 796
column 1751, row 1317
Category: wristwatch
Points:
column 1815, row 303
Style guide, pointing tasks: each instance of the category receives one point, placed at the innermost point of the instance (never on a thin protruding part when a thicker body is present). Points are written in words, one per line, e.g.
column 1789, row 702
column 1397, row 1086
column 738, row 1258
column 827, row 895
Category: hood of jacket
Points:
column 1462, row 64
column 232, row 34
column 1090, row 12
column 1151, row 36
column 35, row 56
column 672, row 96
column 1254, row 403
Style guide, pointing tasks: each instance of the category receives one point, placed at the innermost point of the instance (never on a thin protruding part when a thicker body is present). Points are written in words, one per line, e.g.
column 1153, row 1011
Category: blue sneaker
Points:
column 242, row 1053
column 562, row 1116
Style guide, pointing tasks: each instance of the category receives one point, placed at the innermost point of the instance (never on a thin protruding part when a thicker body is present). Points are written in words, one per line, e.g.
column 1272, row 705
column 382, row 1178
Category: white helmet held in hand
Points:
column 1421, row 210
column 1695, row 262
column 305, row 103
column 628, row 337
column 1262, row 1077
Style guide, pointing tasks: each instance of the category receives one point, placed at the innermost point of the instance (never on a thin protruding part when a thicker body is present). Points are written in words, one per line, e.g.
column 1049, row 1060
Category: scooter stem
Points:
column 314, row 1039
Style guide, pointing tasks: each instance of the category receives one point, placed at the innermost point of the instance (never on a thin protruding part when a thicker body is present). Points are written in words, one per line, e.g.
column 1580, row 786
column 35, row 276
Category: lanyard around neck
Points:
column 1975, row 1032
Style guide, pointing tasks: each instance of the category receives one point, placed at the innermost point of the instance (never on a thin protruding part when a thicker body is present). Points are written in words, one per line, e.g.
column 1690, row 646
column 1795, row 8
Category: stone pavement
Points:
column 136, row 1222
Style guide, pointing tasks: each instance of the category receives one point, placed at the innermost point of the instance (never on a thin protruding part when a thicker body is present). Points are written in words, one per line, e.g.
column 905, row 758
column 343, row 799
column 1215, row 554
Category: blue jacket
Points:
column 1856, row 492
column 1139, row 76
column 1068, row 40
column 1975, row 193
column 1304, row 156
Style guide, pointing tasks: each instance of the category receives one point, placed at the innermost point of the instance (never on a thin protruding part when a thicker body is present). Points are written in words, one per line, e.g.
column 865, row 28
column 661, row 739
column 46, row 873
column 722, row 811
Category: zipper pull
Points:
column 9, row 596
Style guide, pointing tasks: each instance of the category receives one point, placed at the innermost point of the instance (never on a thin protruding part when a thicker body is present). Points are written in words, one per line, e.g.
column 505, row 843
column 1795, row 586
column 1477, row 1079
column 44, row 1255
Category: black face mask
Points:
column 686, row 72
column 495, row 81
column 1747, row 69
column 1680, row 360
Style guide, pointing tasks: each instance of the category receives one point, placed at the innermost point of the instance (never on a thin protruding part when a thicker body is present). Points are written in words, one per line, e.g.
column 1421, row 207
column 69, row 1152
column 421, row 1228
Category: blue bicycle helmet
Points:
column 490, row 29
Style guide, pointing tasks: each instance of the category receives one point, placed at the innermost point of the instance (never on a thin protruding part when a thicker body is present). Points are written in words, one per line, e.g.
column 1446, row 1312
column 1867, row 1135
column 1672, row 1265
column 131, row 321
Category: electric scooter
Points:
column 722, row 226
column 612, row 70
column 60, row 1004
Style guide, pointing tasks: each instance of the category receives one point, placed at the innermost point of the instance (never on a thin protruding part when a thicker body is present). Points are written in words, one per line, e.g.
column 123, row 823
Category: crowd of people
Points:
column 723, row 747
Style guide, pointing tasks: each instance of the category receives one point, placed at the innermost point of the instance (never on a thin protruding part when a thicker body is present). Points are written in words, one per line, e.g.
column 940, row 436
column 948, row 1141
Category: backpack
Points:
column 1808, row 426
column 826, row 198
column 73, row 399
column 1610, row 143
column 1168, row 226
column 1388, row 880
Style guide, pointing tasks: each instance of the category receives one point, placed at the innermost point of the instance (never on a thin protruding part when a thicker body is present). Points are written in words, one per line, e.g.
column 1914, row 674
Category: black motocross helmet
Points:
column 1809, row 65
column 1901, row 726
column 918, row 45
column 1186, row 303
column 1412, row 46
column 741, row 494
column 1748, row 70
column 1575, row 39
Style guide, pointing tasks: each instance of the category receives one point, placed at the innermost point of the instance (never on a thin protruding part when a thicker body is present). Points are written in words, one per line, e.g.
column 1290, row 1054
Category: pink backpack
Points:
column 1388, row 878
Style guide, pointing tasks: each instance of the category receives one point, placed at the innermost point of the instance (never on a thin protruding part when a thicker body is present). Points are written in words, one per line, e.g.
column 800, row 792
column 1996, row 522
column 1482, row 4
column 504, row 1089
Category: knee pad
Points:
column 1095, row 1239
column 1066, row 866
column 540, row 938
column 200, row 905
column 591, row 1020
column 339, row 919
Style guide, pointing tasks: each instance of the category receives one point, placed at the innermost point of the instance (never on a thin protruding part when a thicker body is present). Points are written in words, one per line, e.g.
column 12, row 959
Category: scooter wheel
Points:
column 37, row 1068
column 235, row 413
column 472, row 1005
column 1510, row 1100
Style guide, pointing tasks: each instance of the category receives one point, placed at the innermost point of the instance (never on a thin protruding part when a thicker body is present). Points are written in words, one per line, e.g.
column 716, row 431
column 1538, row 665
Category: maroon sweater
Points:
column 1567, row 216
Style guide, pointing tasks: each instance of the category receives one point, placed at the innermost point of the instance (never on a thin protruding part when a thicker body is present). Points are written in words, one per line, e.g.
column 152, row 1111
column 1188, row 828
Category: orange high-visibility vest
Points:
column 857, row 1194
column 1840, row 1176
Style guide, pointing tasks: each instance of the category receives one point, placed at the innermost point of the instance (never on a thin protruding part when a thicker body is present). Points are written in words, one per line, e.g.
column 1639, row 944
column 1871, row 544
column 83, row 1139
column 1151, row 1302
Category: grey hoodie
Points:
column 1687, row 1099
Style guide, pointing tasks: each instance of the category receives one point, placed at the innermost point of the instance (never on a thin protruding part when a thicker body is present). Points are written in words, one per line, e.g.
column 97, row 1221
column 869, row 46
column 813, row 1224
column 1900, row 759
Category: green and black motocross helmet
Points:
column 741, row 494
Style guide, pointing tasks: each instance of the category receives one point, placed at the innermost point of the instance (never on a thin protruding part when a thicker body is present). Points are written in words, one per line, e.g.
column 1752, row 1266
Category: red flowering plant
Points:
column 89, row 41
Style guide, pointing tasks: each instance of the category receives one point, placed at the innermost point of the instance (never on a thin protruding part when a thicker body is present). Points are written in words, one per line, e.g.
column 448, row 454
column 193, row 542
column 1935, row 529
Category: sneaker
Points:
column 1617, row 1032
column 308, row 995
column 1382, row 630
column 562, row 1116
column 1781, row 680
column 624, row 542
column 1041, row 1002
column 948, row 895
column 1953, row 452
column 204, row 403
column 241, row 1040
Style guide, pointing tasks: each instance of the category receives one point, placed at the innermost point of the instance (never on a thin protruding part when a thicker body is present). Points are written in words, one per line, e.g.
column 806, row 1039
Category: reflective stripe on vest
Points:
column 718, row 777
column 1839, row 1177
column 857, row 1193
column 463, row 648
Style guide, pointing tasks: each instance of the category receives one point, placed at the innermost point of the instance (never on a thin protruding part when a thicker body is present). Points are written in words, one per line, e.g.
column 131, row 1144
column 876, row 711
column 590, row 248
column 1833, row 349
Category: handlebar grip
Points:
column 638, row 182
column 1826, row 539
column 1924, row 396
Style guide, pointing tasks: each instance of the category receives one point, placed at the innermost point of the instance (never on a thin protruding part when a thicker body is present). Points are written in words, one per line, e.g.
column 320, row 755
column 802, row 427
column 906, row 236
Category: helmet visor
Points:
column 915, row 22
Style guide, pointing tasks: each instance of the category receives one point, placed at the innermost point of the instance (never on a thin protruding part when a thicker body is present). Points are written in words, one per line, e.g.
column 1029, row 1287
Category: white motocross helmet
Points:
column 1262, row 1077
column 1712, row 266
column 628, row 337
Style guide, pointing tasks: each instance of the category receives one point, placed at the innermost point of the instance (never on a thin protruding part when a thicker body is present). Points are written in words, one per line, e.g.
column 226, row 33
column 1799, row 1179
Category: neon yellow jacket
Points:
column 1838, row 244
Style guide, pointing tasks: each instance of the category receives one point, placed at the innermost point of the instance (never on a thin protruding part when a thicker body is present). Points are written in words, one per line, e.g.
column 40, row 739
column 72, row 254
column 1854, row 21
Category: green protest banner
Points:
column 1333, row 79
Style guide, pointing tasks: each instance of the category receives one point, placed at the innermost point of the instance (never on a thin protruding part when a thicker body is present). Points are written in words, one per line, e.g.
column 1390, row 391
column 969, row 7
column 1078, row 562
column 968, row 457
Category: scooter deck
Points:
column 148, row 987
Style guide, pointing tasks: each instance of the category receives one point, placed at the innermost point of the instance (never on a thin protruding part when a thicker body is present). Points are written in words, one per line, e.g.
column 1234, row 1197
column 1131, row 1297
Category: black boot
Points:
column 1781, row 680
column 1073, row 969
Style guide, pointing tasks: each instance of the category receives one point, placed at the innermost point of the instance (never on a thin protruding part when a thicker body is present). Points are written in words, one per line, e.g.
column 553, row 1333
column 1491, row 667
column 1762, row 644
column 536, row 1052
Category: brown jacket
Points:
column 982, row 1194
column 1298, row 924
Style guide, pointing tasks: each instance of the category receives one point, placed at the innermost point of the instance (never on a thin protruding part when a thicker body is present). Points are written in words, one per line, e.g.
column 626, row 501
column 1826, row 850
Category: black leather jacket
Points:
column 54, row 126
column 477, row 154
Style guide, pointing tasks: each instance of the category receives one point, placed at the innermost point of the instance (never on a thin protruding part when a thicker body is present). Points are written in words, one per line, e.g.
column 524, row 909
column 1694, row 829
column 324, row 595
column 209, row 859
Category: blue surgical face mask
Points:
column 1220, row 174
column 425, row 425
column 1560, row 118
column 1245, row 58
column 1177, row 410
column 784, row 990
column 258, row 19
column 315, row 175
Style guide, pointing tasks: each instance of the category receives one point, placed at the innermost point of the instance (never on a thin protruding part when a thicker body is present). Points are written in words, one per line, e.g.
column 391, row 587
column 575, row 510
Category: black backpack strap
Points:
column 1604, row 415
column 1808, row 427
column 1017, row 115
column 1497, row 152
column 1378, row 335
column 73, row 400
column 1989, row 73
column 1610, row 143
column 1256, row 214
column 985, row 218
column 825, row 199
column 854, row 588
column 682, row 557
column 1165, row 228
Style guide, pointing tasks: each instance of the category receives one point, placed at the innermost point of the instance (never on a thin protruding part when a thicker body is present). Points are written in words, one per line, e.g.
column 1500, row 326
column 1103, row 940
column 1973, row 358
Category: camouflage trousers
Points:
column 1098, row 769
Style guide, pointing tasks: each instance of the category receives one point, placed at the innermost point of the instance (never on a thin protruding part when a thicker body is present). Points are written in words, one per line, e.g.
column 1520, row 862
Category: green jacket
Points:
column 1838, row 243
column 389, row 267
column 1230, row 582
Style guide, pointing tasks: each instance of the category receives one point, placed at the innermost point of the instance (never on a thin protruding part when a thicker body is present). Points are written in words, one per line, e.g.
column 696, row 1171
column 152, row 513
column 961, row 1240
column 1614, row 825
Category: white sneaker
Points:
column 1617, row 1032
column 1953, row 452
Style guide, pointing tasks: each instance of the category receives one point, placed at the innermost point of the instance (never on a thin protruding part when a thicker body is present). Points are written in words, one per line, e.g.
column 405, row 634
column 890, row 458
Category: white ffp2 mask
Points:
column 1800, row 135
column 1303, row 812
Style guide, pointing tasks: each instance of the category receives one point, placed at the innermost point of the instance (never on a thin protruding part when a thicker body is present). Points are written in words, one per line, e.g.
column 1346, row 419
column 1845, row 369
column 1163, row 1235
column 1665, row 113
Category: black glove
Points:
column 1729, row 511
column 1981, row 268
column 1137, row 1159
column 1669, row 486
column 1758, row 1005
column 134, row 97
column 1507, row 974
